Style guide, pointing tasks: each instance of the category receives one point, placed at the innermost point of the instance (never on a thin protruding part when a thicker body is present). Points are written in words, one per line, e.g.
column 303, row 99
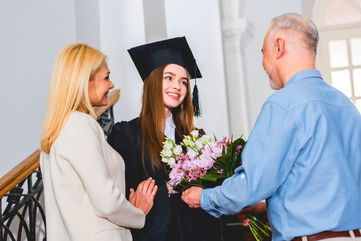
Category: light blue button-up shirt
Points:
column 304, row 157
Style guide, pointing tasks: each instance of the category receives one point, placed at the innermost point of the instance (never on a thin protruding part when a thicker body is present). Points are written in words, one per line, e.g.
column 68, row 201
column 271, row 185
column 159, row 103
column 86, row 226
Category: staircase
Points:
column 21, row 190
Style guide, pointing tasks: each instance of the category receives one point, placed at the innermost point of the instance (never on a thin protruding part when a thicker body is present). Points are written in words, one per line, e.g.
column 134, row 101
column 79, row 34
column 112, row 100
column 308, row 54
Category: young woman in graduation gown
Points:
column 166, row 68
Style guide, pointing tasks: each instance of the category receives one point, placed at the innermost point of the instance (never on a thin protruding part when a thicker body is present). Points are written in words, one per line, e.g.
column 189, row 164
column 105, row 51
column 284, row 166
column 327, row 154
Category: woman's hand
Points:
column 258, row 208
column 143, row 197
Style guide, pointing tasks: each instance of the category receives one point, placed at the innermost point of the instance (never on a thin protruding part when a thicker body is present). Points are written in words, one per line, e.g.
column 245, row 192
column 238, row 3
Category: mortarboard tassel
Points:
column 195, row 101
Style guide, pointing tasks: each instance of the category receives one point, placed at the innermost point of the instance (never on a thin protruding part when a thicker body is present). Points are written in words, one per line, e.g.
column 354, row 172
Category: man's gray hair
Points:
column 299, row 23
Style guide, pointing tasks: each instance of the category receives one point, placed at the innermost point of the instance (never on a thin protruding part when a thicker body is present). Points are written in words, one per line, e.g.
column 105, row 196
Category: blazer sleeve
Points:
column 123, row 139
column 82, row 148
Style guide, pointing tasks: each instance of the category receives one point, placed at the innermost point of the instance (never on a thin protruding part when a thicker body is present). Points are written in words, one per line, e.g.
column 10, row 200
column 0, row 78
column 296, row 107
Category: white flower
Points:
column 195, row 133
column 178, row 150
column 205, row 139
column 188, row 142
column 167, row 153
column 199, row 144
column 191, row 153
column 168, row 145
column 171, row 162
column 165, row 160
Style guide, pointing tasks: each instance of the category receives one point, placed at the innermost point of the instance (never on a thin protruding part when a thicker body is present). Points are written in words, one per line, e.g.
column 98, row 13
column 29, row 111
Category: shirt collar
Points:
column 303, row 74
column 169, row 121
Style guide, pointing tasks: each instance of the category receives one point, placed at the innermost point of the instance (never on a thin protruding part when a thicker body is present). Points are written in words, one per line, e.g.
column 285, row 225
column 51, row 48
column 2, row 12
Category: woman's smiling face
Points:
column 99, row 86
column 175, row 82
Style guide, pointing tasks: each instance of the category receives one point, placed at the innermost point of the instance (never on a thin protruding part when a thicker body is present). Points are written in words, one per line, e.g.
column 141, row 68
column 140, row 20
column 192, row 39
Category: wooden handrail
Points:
column 31, row 163
column 19, row 173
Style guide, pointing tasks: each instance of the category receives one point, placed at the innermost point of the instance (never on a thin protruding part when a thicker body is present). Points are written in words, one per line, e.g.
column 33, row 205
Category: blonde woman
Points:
column 83, row 176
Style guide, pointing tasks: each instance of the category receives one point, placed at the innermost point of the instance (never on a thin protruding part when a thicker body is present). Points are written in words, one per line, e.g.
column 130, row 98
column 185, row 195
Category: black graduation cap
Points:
column 150, row 56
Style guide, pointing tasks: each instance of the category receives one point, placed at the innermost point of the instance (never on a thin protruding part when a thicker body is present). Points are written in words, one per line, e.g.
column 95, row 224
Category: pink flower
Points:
column 192, row 164
column 239, row 148
column 220, row 171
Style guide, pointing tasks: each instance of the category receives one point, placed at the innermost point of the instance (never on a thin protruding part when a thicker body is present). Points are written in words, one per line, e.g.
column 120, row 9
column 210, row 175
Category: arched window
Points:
column 339, row 52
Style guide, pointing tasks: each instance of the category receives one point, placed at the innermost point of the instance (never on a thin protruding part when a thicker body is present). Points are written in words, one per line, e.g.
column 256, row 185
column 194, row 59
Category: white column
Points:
column 200, row 22
column 236, row 33
column 122, row 27
column 154, row 20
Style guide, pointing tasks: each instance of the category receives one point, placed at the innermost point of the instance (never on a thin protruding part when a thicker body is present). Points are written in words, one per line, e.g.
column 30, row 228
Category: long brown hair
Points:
column 152, row 116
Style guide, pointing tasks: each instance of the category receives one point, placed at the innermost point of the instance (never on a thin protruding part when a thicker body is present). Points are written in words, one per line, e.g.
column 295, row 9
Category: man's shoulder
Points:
column 318, row 94
column 299, row 93
column 281, row 97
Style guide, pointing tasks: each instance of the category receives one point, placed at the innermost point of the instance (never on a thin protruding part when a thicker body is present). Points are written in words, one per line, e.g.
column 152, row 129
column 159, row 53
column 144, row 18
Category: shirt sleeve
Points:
column 83, row 149
column 267, row 160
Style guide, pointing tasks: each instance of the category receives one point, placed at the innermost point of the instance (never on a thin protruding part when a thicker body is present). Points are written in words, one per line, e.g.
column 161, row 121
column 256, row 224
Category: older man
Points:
column 304, row 153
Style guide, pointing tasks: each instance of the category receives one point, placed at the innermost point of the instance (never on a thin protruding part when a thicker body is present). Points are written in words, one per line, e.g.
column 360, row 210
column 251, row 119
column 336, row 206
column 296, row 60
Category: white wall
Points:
column 259, row 13
column 122, row 27
column 87, row 22
column 307, row 7
column 32, row 32
column 126, row 24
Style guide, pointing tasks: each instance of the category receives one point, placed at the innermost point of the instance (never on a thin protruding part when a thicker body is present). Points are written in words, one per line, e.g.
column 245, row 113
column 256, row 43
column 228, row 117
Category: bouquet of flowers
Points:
column 206, row 162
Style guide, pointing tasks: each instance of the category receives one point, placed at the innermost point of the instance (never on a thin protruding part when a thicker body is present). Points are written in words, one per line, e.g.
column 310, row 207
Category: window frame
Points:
column 338, row 32
column 330, row 33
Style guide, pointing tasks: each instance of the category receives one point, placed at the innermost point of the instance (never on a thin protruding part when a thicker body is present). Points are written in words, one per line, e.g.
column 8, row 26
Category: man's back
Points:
column 303, row 155
column 322, row 185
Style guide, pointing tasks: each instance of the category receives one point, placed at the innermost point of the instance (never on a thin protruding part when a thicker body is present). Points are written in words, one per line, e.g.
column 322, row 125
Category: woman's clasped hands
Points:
column 143, row 197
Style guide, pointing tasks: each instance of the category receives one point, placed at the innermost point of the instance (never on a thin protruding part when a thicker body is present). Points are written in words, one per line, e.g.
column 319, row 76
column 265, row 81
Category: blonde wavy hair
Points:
column 74, row 66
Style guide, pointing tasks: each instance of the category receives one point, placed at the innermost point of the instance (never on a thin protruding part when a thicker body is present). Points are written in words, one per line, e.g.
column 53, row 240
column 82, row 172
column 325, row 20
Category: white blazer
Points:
column 84, row 186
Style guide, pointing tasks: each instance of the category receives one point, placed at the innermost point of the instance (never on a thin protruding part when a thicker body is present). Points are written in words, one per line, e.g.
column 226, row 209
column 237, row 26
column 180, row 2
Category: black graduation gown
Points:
column 170, row 218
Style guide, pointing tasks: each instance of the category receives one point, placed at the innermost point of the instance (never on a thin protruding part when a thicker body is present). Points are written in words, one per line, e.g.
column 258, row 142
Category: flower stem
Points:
column 258, row 228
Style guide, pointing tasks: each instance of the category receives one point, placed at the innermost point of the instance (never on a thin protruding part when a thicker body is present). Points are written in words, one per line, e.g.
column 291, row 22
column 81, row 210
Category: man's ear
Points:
column 280, row 47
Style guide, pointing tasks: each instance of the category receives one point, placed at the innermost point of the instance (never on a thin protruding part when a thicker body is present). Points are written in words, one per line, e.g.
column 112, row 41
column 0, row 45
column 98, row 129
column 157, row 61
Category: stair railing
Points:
column 22, row 215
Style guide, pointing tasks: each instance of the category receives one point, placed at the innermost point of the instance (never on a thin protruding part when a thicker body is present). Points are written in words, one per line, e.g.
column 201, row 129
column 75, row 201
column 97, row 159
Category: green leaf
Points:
column 212, row 176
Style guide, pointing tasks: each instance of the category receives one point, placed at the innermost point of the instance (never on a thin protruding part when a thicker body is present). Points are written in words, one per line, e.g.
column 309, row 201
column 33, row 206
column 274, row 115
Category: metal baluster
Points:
column 22, row 207
column 25, row 206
